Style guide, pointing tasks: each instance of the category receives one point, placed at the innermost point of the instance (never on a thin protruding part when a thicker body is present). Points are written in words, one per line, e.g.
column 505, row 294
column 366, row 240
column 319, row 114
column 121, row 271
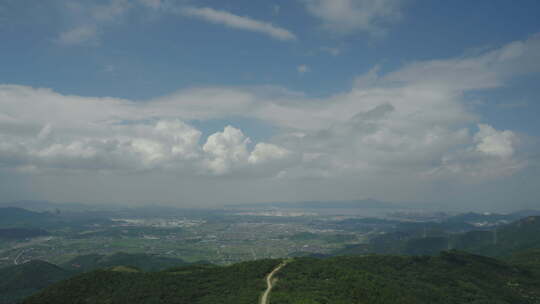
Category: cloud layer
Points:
column 111, row 135
column 413, row 125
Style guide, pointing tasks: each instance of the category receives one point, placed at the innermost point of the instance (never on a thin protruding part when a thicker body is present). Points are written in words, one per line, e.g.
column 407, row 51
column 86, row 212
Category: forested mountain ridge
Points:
column 451, row 277
column 238, row 283
column 22, row 280
column 145, row 262
column 501, row 241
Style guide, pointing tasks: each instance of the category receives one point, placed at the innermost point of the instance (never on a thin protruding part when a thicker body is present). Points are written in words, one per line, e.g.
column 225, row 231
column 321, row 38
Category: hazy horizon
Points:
column 207, row 103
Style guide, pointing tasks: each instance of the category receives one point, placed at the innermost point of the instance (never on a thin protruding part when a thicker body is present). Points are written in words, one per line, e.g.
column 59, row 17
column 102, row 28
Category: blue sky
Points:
column 296, row 96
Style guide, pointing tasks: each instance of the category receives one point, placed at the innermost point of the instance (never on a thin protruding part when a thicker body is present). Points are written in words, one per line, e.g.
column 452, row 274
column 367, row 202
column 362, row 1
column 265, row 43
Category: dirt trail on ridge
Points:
column 264, row 298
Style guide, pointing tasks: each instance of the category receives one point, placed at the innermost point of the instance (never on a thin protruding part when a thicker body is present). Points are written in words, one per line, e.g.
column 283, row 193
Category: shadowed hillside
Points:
column 239, row 283
column 141, row 261
column 22, row 280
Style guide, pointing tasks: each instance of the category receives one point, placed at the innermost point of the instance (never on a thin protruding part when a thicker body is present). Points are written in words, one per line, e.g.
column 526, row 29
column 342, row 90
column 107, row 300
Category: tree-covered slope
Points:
column 19, row 281
column 503, row 241
column 239, row 283
column 146, row 262
column 529, row 259
column 518, row 236
column 452, row 277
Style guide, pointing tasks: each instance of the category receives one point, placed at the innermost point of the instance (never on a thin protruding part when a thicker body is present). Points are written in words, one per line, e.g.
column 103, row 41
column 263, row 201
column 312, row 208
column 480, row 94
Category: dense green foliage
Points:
column 19, row 281
column 452, row 277
column 515, row 237
column 146, row 262
column 528, row 259
column 239, row 283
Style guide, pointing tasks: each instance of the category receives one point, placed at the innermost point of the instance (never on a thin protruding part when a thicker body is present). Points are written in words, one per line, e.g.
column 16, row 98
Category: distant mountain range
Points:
column 428, row 238
column 42, row 206
column 353, row 204
column 12, row 217
column 15, row 214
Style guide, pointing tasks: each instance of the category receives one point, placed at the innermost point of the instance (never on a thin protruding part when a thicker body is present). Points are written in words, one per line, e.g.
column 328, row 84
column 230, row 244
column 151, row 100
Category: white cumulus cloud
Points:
column 264, row 152
column 493, row 142
column 226, row 149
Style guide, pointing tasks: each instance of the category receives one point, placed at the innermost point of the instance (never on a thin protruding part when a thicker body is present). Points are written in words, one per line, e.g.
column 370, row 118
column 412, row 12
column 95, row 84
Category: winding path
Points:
column 264, row 298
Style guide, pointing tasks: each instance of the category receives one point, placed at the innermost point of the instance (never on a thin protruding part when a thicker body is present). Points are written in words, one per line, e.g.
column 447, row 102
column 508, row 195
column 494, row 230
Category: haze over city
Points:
column 206, row 103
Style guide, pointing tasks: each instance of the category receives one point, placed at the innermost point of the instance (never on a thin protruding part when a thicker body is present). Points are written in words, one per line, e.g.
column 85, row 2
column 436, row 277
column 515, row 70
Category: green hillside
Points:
column 515, row 237
column 141, row 261
column 529, row 259
column 452, row 277
column 22, row 280
column 239, row 283
column 518, row 236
